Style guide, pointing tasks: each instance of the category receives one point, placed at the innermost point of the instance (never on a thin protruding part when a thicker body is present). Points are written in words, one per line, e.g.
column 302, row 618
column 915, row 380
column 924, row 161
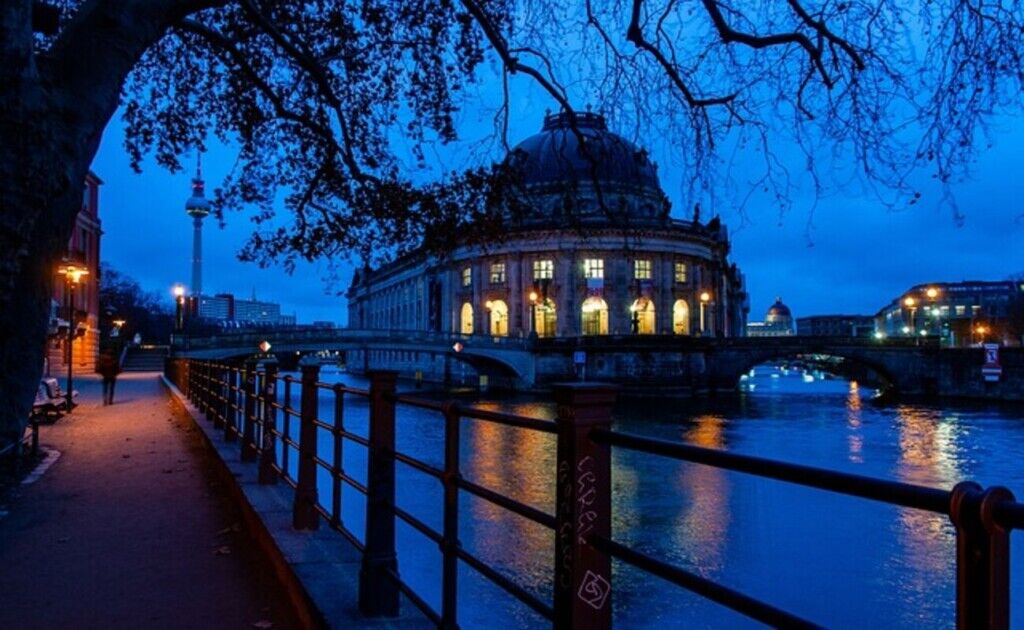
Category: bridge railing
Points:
column 248, row 402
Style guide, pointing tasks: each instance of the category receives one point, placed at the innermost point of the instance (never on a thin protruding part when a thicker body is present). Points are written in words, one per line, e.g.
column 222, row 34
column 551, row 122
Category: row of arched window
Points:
column 593, row 318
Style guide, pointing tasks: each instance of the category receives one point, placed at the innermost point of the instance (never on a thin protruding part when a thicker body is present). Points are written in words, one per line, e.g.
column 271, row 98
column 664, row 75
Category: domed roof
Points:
column 554, row 156
column 778, row 311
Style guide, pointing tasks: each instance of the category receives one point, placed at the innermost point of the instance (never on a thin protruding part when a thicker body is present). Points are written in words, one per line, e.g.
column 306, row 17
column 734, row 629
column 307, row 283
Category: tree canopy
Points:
column 331, row 105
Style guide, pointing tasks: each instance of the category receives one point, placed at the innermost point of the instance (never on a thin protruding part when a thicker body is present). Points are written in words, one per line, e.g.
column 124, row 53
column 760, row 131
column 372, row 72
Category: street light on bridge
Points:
column 179, row 306
column 911, row 303
column 705, row 297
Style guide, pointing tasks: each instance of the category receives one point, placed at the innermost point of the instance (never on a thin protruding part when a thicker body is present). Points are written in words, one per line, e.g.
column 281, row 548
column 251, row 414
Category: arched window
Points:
column 466, row 327
column 544, row 318
column 499, row 317
column 642, row 314
column 595, row 316
column 681, row 318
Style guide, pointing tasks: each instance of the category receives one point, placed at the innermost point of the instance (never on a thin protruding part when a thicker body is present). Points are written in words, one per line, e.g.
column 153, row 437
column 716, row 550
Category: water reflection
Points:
column 853, row 420
column 702, row 527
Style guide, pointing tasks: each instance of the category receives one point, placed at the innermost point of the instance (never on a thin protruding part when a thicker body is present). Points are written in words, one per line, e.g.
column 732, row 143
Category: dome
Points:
column 554, row 155
column 778, row 311
column 558, row 173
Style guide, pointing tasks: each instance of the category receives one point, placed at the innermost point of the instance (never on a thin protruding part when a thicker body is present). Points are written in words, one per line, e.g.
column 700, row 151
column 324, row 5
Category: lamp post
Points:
column 705, row 297
column 533, row 313
column 980, row 331
column 72, row 276
column 179, row 307
column 911, row 303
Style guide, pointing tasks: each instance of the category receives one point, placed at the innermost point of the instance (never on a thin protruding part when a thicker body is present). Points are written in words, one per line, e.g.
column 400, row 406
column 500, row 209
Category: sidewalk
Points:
column 130, row 527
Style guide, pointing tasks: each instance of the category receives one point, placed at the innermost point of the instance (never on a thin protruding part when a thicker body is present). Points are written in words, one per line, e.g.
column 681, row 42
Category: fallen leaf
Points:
column 263, row 624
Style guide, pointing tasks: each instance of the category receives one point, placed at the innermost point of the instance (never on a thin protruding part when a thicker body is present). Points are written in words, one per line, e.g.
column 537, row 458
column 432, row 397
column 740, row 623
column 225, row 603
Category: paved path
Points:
column 129, row 528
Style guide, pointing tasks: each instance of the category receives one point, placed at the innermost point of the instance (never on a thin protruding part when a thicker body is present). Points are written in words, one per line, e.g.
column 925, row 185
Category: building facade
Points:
column 83, row 250
column 836, row 326
column 613, row 268
column 226, row 307
column 778, row 322
column 962, row 313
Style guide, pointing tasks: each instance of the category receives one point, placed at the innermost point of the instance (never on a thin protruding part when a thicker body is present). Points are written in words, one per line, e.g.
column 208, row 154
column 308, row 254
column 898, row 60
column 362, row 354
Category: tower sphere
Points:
column 198, row 205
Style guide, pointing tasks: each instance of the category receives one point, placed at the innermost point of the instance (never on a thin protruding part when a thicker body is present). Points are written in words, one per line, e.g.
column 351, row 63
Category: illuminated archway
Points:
column 642, row 312
column 499, row 318
column 545, row 318
column 595, row 316
column 466, row 327
column 681, row 318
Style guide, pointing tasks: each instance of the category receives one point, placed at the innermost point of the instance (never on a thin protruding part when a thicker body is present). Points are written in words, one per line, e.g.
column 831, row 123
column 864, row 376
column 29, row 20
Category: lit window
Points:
column 642, row 269
column 543, row 269
column 961, row 309
column 498, row 273
column 593, row 268
column 467, row 277
column 680, row 272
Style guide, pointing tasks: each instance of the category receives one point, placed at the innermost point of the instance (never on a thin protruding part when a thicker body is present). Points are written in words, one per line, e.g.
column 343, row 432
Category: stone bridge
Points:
column 637, row 362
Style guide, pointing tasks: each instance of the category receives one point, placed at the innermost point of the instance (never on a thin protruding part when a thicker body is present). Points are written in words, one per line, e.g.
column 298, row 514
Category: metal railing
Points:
column 244, row 402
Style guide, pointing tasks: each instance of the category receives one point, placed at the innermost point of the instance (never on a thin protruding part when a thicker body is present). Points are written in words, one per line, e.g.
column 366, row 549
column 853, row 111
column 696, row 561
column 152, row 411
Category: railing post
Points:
column 231, row 419
column 304, row 514
column 583, row 507
column 249, row 412
column 450, row 545
column 221, row 412
column 982, row 557
column 339, row 469
column 268, row 453
column 378, row 591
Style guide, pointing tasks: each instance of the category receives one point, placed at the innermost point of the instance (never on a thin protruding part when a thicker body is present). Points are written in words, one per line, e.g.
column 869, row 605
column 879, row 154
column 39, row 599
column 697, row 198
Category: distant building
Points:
column 83, row 249
column 226, row 307
column 778, row 322
column 836, row 326
column 963, row 313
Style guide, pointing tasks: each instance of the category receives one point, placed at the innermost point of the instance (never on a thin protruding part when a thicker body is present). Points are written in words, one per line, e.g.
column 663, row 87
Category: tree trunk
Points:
column 54, row 106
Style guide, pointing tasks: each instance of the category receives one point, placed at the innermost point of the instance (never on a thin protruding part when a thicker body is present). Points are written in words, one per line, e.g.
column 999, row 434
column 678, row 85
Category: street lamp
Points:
column 980, row 331
column 533, row 313
column 72, row 276
column 179, row 307
column 264, row 346
column 911, row 303
column 705, row 297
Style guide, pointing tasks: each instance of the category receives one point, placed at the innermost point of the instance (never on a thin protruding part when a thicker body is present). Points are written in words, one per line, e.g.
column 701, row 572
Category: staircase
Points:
column 145, row 359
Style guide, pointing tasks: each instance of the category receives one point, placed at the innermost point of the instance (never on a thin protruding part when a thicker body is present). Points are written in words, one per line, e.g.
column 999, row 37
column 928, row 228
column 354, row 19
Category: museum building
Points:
column 595, row 253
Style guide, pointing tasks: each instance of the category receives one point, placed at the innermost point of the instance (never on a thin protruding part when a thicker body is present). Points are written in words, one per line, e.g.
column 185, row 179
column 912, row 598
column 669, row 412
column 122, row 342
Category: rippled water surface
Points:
column 838, row 561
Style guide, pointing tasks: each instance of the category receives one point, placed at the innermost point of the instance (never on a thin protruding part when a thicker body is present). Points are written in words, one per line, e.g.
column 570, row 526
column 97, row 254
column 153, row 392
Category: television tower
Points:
column 197, row 207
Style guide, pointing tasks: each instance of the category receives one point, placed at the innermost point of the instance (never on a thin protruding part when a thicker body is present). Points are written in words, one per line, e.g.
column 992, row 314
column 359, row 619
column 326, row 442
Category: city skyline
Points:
column 851, row 256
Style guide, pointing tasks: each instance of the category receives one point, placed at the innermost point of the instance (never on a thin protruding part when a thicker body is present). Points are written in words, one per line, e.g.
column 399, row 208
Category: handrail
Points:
column 892, row 492
column 248, row 409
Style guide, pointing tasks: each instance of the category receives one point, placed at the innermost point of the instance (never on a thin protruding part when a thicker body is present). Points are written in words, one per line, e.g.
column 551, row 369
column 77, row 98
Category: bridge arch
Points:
column 853, row 363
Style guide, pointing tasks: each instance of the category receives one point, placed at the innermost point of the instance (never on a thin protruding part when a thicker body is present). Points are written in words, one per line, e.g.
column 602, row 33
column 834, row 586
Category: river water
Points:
column 835, row 560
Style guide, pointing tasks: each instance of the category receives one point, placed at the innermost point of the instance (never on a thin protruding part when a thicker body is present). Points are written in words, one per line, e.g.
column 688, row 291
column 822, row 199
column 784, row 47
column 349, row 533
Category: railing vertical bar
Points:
column 339, row 427
column 268, row 451
column 450, row 544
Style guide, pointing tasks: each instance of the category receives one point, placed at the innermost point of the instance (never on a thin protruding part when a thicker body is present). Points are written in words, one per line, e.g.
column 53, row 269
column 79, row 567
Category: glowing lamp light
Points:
column 705, row 297
column 924, row 333
column 179, row 291
column 906, row 330
column 932, row 293
column 879, row 335
column 72, row 272
column 488, row 304
column 264, row 346
column 119, row 322
column 533, row 296
column 457, row 346
column 909, row 302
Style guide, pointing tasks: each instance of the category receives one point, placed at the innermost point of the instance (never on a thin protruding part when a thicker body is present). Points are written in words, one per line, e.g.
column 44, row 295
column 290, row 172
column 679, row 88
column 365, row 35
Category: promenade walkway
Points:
column 130, row 528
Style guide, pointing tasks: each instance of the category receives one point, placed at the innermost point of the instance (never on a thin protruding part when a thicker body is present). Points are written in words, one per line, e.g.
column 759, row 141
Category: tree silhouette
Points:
column 324, row 99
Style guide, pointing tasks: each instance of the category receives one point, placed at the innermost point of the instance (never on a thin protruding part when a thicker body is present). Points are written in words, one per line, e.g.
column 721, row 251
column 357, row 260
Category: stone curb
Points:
column 319, row 570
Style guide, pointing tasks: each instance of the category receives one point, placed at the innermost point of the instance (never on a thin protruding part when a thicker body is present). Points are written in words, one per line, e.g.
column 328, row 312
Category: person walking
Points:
column 109, row 369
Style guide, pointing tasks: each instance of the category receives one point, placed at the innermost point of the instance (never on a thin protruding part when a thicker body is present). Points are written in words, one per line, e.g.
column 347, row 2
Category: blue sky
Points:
column 851, row 256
